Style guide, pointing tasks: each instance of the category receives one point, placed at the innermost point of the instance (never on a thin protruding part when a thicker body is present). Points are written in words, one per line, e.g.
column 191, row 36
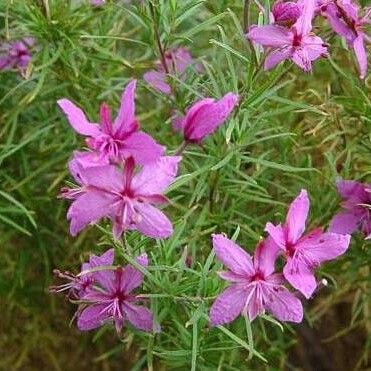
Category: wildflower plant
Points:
column 224, row 113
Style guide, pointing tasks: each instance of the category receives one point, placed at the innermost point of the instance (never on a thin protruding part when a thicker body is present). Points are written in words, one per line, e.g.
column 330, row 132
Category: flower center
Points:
column 290, row 249
column 258, row 276
column 296, row 42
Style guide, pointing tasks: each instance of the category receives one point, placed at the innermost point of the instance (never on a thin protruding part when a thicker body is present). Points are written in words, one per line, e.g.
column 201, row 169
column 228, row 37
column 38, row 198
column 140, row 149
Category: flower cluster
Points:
column 255, row 285
column 123, row 175
column 109, row 181
column 290, row 36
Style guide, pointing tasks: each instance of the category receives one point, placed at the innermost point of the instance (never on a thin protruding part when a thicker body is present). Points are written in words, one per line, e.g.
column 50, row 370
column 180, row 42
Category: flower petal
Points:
column 315, row 47
column 106, row 178
column 131, row 277
column 77, row 118
column 297, row 216
column 275, row 57
column 277, row 233
column 350, row 189
column 88, row 208
column 158, row 81
column 319, row 248
column 233, row 256
column 228, row 305
column 231, row 277
column 152, row 222
column 84, row 160
column 265, row 256
column 361, row 55
column 300, row 276
column 284, row 305
column 337, row 23
column 105, row 259
column 104, row 277
column 154, row 178
column 140, row 317
column 270, row 35
column 301, row 58
column 125, row 121
column 345, row 222
column 304, row 23
column 143, row 148
column 92, row 317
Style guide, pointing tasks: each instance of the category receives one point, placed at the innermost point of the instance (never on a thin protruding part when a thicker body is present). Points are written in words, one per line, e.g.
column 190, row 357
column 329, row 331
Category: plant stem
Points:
column 158, row 38
column 181, row 148
column 246, row 15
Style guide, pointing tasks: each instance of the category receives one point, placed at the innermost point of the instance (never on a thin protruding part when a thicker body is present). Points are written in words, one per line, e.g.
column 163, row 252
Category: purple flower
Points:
column 345, row 21
column 78, row 285
column 285, row 13
column 255, row 287
column 124, row 197
column 296, row 43
column 305, row 253
column 204, row 117
column 107, row 294
column 177, row 61
column 112, row 300
column 357, row 208
column 117, row 140
column 16, row 54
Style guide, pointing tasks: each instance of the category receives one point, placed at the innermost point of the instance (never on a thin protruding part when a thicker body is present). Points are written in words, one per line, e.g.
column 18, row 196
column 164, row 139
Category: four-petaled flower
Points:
column 117, row 140
column 255, row 287
column 357, row 208
column 295, row 43
column 305, row 253
column 123, row 196
column 111, row 300
column 204, row 117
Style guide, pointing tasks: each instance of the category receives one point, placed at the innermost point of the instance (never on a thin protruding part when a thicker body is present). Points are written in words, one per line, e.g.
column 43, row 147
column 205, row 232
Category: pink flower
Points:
column 305, row 253
column 16, row 54
column 177, row 61
column 124, row 197
column 357, row 208
column 117, row 140
column 78, row 285
column 112, row 300
column 296, row 43
column 255, row 287
column 285, row 13
column 344, row 20
column 108, row 297
column 204, row 117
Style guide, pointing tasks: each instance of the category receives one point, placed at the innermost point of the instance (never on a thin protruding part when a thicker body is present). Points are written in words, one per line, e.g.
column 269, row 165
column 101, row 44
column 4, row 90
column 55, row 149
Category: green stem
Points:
column 158, row 38
column 250, row 339
column 181, row 148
